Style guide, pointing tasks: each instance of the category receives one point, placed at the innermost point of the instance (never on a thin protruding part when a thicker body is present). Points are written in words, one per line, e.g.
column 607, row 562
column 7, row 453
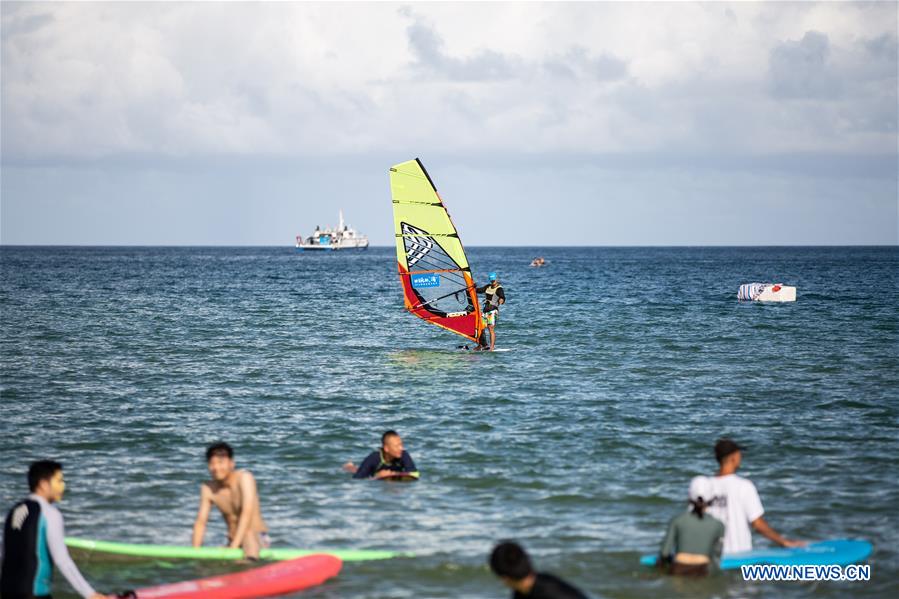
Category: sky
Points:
column 682, row 123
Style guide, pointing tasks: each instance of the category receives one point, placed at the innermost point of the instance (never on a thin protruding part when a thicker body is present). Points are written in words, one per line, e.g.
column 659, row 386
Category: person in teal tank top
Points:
column 694, row 539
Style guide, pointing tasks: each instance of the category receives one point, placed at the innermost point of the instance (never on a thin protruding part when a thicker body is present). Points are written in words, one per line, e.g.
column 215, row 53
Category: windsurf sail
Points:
column 433, row 269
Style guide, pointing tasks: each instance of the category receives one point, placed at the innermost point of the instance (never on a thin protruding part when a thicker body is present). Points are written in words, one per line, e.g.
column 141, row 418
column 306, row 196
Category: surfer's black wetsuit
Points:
column 548, row 586
column 33, row 543
column 375, row 462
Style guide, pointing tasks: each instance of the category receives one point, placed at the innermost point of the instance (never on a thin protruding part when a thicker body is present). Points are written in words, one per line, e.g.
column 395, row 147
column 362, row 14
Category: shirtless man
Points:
column 233, row 492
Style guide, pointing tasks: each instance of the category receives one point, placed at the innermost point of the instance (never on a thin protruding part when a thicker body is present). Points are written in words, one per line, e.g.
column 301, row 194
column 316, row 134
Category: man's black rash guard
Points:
column 33, row 544
column 375, row 462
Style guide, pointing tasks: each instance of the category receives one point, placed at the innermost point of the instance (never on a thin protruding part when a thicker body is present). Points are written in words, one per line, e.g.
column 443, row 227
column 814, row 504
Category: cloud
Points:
column 801, row 70
column 578, row 62
column 431, row 58
column 90, row 81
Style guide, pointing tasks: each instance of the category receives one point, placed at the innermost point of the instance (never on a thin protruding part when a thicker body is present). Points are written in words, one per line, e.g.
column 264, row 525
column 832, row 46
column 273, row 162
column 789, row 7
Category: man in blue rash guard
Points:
column 34, row 540
column 392, row 461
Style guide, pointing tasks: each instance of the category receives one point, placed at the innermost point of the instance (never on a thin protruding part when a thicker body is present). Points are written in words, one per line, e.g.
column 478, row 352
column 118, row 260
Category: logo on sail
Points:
column 425, row 281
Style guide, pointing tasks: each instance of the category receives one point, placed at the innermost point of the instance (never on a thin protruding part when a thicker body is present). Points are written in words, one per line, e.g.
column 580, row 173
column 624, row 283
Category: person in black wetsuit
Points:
column 511, row 563
column 392, row 461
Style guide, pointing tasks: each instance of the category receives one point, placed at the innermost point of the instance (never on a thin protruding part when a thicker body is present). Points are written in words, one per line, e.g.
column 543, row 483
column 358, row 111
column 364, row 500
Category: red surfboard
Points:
column 274, row 579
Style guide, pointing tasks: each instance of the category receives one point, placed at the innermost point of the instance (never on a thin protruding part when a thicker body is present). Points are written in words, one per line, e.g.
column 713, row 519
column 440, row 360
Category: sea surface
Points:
column 624, row 365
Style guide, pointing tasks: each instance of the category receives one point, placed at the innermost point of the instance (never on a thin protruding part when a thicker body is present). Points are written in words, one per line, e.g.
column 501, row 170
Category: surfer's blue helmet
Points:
column 491, row 276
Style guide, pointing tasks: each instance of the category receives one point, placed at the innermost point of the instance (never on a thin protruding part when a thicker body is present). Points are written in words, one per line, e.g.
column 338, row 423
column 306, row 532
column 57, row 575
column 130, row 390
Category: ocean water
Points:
column 624, row 366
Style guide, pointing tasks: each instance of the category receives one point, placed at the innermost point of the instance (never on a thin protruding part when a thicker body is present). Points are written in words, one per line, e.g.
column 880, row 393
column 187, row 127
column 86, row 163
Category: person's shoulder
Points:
column 245, row 475
column 682, row 517
column 733, row 481
column 24, row 501
column 550, row 585
column 49, row 511
column 743, row 483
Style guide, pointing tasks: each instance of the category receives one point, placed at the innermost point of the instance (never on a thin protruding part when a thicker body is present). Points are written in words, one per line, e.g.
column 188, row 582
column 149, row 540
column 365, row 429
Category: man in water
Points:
column 736, row 503
column 34, row 540
column 693, row 541
column 233, row 492
column 494, row 297
column 511, row 563
column 392, row 461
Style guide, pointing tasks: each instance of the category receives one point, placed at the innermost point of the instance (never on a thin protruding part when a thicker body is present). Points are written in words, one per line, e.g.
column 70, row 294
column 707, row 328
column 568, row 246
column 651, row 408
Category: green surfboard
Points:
column 86, row 547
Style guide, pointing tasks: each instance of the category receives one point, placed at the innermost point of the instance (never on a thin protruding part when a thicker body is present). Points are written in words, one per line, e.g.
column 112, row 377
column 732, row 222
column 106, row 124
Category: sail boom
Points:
column 456, row 235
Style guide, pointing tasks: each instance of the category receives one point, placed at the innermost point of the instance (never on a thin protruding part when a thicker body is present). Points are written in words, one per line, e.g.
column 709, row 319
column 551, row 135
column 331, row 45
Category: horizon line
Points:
column 796, row 245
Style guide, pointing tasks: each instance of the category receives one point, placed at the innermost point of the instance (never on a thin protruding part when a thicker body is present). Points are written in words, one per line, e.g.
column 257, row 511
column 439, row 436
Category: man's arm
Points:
column 408, row 465
column 202, row 515
column 766, row 531
column 368, row 466
column 755, row 511
column 501, row 295
column 250, row 506
column 56, row 542
column 480, row 289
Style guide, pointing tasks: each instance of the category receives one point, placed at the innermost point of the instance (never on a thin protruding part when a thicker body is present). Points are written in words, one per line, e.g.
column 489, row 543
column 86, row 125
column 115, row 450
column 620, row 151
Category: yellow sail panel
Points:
column 433, row 269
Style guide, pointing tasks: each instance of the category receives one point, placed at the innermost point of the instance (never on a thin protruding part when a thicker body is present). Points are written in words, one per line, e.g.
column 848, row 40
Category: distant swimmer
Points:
column 391, row 461
column 538, row 261
column 234, row 493
column 494, row 297
column 34, row 540
column 511, row 563
column 694, row 538
column 736, row 503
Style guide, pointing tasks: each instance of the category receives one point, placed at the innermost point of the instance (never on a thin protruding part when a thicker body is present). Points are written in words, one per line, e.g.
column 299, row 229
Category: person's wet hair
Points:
column 41, row 470
column 219, row 449
column 510, row 560
column 387, row 435
column 700, row 505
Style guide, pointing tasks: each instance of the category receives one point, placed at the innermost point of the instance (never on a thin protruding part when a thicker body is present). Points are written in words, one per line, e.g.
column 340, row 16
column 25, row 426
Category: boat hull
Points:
column 315, row 247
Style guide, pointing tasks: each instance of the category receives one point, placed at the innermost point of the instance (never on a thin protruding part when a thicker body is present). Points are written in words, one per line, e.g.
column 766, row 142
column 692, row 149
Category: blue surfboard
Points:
column 837, row 552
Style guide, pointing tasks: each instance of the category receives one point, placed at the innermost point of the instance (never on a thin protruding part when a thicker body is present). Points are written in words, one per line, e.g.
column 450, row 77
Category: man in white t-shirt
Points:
column 737, row 504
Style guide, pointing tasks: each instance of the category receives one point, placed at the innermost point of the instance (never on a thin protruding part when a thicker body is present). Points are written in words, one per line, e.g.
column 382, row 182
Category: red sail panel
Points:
column 468, row 324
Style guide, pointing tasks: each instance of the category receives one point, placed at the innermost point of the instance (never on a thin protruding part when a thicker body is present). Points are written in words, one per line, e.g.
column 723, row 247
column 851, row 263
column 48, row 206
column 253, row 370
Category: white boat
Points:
column 766, row 292
column 341, row 237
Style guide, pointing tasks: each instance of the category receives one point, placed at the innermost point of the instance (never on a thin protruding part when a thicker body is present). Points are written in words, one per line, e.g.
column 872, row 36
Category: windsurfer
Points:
column 391, row 461
column 494, row 297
